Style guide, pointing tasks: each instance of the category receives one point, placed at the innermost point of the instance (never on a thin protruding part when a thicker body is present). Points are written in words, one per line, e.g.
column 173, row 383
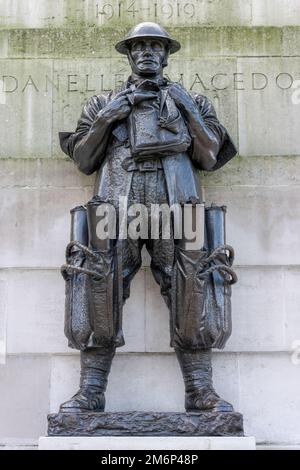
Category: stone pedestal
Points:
column 147, row 443
column 146, row 424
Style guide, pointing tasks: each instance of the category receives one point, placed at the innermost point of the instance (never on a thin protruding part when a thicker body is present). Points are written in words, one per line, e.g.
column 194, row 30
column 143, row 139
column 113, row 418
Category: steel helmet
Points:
column 147, row 30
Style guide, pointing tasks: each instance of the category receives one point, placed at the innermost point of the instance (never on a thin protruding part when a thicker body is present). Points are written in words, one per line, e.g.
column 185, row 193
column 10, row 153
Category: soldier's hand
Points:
column 118, row 108
column 182, row 98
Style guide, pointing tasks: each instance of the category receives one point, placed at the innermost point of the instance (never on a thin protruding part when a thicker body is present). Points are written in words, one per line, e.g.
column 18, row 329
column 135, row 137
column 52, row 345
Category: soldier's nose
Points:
column 147, row 49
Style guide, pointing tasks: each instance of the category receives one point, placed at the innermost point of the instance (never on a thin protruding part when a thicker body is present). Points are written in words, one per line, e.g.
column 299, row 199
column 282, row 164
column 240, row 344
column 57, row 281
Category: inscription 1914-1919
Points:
column 133, row 9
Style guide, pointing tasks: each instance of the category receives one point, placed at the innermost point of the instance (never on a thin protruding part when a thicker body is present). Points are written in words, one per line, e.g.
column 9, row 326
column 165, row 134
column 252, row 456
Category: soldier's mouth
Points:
column 148, row 61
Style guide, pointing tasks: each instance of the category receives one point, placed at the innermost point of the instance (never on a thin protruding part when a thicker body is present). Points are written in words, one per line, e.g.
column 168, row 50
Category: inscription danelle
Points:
column 88, row 83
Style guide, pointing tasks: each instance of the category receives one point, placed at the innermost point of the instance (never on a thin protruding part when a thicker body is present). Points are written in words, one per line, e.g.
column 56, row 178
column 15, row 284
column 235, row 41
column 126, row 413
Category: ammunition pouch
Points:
column 92, row 307
column 201, row 291
column 101, row 287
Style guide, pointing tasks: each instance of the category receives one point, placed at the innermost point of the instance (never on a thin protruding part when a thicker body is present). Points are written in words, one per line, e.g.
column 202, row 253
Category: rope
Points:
column 222, row 269
column 220, row 250
column 69, row 267
column 86, row 250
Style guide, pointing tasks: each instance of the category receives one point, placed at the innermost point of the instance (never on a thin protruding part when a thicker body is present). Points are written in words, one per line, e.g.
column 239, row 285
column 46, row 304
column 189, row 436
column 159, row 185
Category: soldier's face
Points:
column 147, row 56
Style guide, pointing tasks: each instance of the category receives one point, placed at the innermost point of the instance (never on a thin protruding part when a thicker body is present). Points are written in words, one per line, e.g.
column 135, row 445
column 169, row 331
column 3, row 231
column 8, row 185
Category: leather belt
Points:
column 148, row 165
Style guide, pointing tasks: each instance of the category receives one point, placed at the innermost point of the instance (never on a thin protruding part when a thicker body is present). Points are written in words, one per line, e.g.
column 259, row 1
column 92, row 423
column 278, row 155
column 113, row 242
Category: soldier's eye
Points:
column 138, row 46
column 157, row 46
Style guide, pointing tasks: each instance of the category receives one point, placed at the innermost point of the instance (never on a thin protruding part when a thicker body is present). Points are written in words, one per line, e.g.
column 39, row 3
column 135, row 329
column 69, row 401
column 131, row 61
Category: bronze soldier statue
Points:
column 147, row 141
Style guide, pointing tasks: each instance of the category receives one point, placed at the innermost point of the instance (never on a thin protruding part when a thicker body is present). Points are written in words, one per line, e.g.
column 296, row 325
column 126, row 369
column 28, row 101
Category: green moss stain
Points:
column 85, row 41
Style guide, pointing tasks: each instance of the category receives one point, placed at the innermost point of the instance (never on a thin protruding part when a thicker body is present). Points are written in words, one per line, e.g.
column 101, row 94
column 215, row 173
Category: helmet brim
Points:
column 123, row 46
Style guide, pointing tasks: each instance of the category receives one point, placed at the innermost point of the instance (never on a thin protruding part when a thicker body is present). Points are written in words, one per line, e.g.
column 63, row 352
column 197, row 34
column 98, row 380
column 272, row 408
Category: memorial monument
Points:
column 147, row 141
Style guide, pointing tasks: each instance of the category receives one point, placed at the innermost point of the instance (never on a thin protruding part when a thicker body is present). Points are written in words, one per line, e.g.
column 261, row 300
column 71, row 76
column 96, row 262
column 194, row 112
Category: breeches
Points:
column 148, row 188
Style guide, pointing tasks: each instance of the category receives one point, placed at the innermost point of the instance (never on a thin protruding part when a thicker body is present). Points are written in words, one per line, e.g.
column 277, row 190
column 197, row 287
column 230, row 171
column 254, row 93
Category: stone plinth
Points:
column 147, row 443
column 145, row 424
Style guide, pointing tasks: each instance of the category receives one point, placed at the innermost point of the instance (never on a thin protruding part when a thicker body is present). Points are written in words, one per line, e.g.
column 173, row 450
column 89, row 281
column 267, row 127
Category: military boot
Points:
column 197, row 375
column 95, row 367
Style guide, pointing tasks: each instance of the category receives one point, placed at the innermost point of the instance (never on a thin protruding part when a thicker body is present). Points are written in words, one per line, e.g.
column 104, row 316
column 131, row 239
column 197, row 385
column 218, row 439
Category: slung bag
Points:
column 155, row 125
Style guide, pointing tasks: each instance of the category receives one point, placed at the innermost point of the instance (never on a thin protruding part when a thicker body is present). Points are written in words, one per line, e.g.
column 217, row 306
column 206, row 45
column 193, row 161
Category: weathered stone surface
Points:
column 256, row 171
column 36, row 321
column 157, row 330
column 275, row 12
column 230, row 41
column 110, row 14
column 262, row 223
column 269, row 398
column 291, row 41
column 3, row 44
column 258, row 310
column 24, row 397
column 23, row 132
column 291, row 306
column 43, row 173
column 134, row 314
column 35, row 225
column 145, row 424
column 3, row 319
column 31, row 14
column 274, row 80
column 91, row 42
